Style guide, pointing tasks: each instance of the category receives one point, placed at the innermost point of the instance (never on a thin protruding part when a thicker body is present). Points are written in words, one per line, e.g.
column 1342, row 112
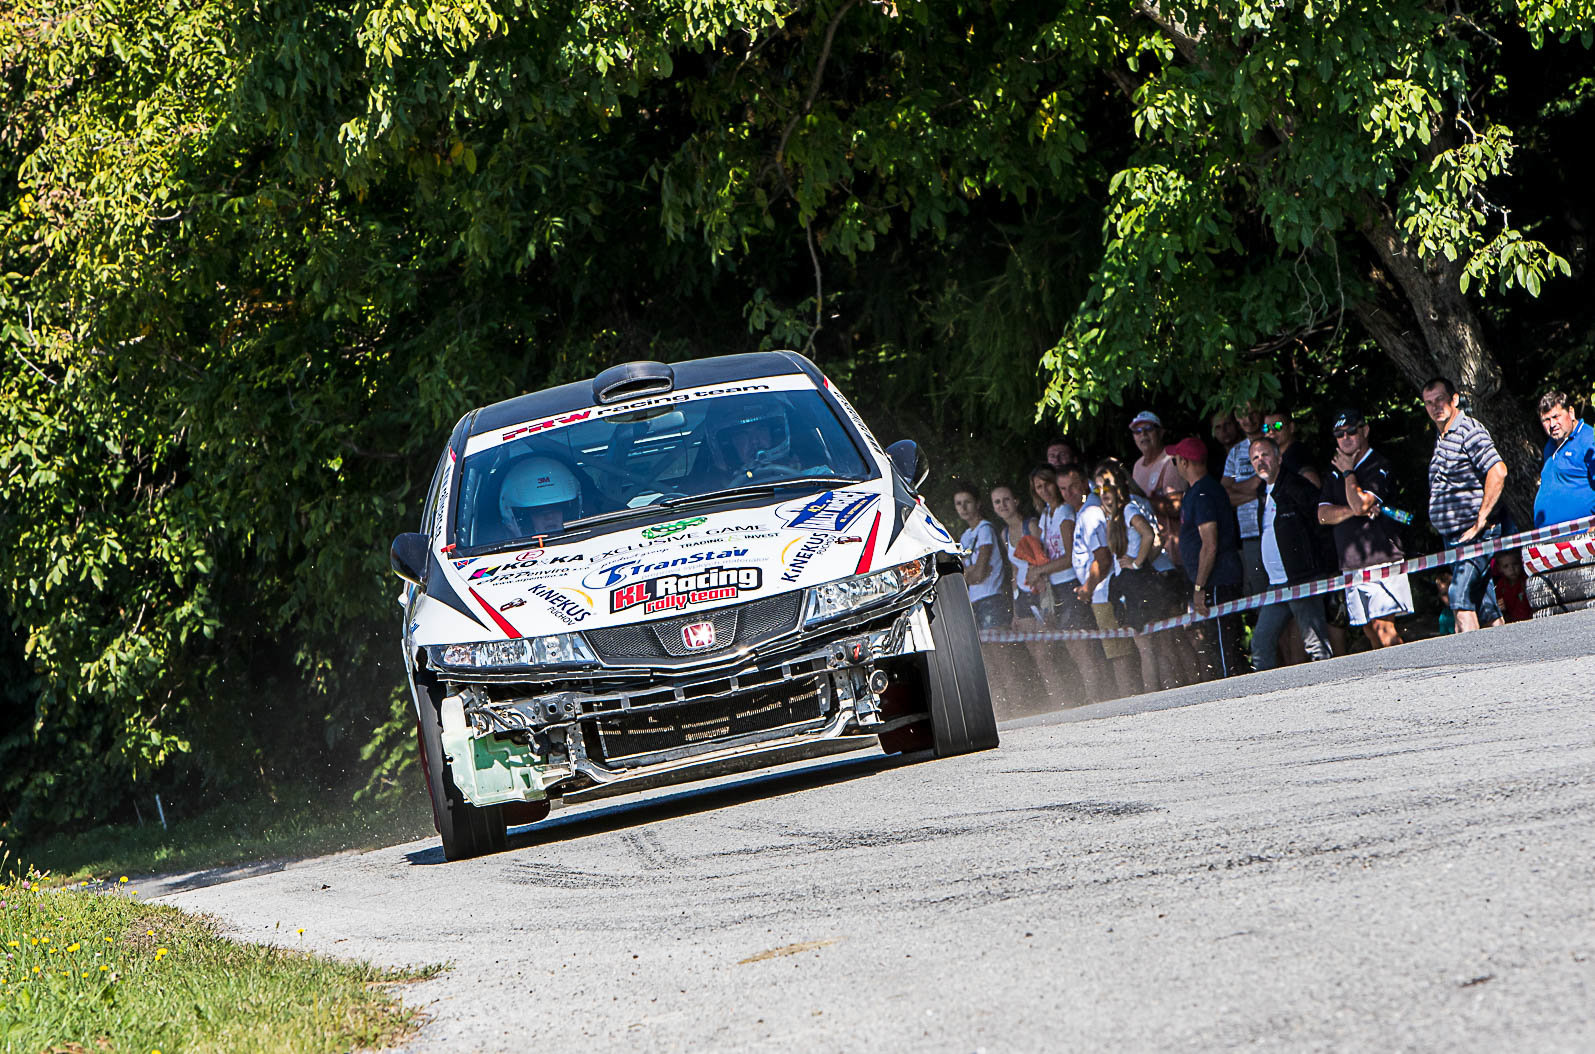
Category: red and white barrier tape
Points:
column 1541, row 558
column 1536, row 558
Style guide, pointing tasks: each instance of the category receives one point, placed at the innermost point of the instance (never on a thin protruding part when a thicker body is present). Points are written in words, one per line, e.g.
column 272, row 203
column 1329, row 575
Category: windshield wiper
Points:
column 753, row 489
column 605, row 517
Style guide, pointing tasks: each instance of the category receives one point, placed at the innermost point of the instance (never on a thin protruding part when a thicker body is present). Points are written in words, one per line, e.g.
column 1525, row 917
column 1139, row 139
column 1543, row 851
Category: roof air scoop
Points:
column 632, row 380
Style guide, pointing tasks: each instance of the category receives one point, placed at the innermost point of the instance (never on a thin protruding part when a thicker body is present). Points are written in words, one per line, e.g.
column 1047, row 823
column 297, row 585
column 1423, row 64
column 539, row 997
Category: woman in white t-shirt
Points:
column 983, row 564
column 1056, row 518
column 1020, row 536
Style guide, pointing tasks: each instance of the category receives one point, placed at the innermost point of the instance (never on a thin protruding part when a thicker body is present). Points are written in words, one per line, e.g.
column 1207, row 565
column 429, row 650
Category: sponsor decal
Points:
column 460, row 565
column 852, row 415
column 696, row 636
column 562, row 606
column 698, row 542
column 545, row 424
column 834, row 511
column 851, row 539
column 522, row 561
column 488, row 440
column 609, row 577
column 665, row 530
column 808, row 549
column 517, row 602
column 670, row 592
column 934, row 527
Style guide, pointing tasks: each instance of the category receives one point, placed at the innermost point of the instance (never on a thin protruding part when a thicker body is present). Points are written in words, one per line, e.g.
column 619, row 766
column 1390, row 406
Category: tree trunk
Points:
column 1422, row 320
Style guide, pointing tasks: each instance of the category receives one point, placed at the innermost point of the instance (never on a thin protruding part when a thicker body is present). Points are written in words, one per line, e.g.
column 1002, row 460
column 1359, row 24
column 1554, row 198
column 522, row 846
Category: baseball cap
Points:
column 1347, row 418
column 1190, row 448
column 1146, row 417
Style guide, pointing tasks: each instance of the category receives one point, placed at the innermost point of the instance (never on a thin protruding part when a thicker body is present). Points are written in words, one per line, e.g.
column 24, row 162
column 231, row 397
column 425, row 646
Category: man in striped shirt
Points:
column 1466, row 477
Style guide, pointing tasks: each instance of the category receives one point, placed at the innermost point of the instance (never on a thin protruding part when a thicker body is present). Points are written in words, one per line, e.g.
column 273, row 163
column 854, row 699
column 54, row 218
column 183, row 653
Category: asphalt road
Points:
column 1391, row 851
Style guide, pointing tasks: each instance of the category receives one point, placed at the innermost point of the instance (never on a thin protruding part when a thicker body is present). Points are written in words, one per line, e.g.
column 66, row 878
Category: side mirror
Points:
column 909, row 461
column 408, row 557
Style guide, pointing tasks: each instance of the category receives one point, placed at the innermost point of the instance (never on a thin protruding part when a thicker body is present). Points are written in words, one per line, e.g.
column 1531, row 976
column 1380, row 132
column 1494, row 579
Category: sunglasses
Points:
column 1346, row 433
column 1277, row 426
column 1142, row 430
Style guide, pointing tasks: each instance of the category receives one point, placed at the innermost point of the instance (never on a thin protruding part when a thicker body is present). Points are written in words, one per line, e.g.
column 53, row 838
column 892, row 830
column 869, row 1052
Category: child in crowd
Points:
column 1442, row 586
column 1511, row 591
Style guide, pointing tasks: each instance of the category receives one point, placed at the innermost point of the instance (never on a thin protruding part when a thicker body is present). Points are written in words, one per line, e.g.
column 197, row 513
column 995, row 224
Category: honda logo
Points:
column 698, row 635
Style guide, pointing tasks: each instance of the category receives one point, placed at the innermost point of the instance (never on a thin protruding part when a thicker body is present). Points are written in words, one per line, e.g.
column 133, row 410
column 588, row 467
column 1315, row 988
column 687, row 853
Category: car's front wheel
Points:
column 950, row 682
column 466, row 830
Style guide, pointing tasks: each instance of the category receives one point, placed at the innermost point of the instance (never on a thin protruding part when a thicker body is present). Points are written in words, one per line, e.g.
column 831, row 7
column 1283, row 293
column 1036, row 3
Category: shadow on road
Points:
column 686, row 802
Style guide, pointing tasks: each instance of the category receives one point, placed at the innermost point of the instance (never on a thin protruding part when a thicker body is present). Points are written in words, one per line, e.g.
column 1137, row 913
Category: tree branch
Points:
column 1184, row 41
column 814, row 85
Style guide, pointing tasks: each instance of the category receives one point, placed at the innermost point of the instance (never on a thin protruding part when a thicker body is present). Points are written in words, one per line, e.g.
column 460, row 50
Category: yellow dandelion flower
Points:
column 13, row 944
column 45, row 939
column 149, row 933
column 74, row 946
column 104, row 968
column 85, row 973
column 122, row 880
column 301, row 929
column 35, row 969
column 160, row 953
column 33, row 940
column 108, row 940
column 135, row 893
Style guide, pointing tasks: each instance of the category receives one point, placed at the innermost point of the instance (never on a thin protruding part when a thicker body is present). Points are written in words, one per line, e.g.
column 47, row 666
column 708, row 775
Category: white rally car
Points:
column 670, row 572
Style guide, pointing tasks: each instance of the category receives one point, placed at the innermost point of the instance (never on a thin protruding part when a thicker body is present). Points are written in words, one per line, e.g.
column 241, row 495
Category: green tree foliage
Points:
column 254, row 263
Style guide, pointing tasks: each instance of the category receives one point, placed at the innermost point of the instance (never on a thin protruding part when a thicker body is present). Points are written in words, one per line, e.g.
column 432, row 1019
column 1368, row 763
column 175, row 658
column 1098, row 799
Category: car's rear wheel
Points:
column 952, row 681
column 466, row 830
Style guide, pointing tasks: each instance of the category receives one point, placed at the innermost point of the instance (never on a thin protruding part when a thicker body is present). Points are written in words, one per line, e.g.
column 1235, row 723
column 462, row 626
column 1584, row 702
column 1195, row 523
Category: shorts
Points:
column 994, row 612
column 1112, row 647
column 1069, row 611
column 1471, row 587
column 1382, row 598
column 1027, row 605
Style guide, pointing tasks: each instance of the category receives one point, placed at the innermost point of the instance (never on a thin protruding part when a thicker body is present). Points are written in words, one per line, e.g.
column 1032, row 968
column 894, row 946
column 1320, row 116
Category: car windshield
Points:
column 613, row 463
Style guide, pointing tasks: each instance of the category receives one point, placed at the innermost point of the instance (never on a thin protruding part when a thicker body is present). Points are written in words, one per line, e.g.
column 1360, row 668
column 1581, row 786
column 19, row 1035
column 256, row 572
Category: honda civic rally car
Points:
column 670, row 572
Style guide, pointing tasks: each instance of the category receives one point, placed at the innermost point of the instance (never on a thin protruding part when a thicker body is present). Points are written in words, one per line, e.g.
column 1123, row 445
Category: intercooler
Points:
column 694, row 727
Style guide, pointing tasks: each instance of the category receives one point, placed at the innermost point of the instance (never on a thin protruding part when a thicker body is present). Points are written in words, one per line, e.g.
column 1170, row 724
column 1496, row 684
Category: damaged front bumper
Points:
column 508, row 747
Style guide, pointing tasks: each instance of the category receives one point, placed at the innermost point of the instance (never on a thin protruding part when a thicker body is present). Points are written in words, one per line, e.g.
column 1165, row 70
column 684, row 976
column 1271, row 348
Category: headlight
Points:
column 861, row 591
column 561, row 649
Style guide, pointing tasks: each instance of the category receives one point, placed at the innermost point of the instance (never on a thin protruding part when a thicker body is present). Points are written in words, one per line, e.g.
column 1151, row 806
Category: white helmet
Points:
column 537, row 483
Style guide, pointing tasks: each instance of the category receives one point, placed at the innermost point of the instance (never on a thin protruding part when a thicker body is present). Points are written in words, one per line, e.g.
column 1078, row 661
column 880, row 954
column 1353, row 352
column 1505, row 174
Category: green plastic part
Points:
column 489, row 770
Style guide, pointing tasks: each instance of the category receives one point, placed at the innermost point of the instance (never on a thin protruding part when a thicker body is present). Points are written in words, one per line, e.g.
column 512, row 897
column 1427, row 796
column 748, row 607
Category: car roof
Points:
column 692, row 373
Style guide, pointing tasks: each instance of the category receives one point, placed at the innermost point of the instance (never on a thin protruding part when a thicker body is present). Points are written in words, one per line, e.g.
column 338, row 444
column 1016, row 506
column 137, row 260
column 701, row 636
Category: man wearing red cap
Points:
column 1210, row 542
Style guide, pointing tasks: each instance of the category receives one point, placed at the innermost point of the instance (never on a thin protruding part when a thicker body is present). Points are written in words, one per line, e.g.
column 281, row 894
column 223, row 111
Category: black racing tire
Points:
column 957, row 694
column 1562, row 589
column 466, row 830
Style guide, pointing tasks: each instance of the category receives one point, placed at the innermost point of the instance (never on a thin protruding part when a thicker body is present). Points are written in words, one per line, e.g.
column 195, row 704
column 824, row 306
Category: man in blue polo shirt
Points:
column 1567, row 480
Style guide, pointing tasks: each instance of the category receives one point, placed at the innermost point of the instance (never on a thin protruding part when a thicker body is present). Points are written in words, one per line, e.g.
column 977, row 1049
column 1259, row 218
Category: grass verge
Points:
column 91, row 971
column 292, row 822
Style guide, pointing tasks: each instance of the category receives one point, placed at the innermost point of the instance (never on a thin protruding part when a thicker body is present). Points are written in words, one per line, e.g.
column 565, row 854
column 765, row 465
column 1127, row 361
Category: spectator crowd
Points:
column 1184, row 527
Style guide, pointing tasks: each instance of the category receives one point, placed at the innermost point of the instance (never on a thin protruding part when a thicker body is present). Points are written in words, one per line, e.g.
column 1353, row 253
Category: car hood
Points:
column 696, row 562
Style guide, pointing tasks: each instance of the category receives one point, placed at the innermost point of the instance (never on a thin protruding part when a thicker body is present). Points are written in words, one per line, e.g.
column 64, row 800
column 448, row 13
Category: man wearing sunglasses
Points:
column 1279, row 426
column 1354, row 490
